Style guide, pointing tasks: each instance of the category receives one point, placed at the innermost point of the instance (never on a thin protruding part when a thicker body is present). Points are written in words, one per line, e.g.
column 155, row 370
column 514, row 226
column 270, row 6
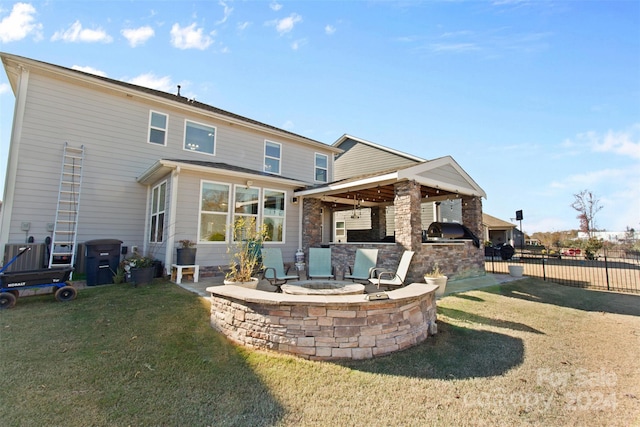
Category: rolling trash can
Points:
column 102, row 257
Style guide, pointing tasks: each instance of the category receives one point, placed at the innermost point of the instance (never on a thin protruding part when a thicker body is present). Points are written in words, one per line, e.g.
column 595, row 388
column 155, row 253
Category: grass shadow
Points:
column 127, row 356
column 455, row 352
column 568, row 296
column 474, row 318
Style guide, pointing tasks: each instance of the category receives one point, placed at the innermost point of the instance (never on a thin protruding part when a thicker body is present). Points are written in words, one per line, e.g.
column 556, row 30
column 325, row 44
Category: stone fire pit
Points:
column 325, row 327
column 322, row 287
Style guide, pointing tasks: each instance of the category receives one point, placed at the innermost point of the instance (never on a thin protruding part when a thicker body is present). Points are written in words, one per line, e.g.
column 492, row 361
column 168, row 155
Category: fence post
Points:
column 606, row 268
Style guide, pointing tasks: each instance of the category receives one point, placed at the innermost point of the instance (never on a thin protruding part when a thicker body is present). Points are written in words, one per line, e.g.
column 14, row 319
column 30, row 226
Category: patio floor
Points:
column 453, row 287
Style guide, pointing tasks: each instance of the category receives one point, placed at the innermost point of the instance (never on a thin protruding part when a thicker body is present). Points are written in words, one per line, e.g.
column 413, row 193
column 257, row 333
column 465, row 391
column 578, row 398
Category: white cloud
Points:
column 76, row 33
column 4, row 88
column 189, row 37
column 20, row 23
column 298, row 44
column 227, row 12
column 625, row 143
column 152, row 81
column 329, row 29
column 138, row 36
column 90, row 70
column 454, row 47
column 286, row 25
column 288, row 125
column 243, row 25
column 275, row 6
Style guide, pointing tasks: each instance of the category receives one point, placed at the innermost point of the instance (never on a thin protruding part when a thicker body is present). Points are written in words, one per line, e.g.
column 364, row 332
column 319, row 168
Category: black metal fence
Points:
column 612, row 270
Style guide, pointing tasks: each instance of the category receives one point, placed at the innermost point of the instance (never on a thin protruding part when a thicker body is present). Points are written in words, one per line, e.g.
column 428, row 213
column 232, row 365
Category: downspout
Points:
column 12, row 160
column 147, row 224
column 171, row 230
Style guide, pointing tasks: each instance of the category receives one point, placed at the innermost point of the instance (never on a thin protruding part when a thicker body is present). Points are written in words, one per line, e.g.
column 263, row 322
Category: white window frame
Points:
column 279, row 159
column 225, row 214
column 184, row 142
column 316, row 167
column 160, row 212
column 284, row 214
column 152, row 128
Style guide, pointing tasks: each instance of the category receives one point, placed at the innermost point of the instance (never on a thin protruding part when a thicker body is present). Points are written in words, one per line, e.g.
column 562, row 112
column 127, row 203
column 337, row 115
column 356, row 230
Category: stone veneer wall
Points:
column 325, row 328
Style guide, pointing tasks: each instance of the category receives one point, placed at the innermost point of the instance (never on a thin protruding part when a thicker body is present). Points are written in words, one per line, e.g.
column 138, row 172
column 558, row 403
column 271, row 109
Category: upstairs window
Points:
column 199, row 137
column 272, row 155
column 157, row 212
column 322, row 167
column 158, row 128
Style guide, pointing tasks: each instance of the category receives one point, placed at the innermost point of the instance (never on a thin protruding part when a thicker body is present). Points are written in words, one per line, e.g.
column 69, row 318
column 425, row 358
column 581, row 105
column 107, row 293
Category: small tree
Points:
column 587, row 205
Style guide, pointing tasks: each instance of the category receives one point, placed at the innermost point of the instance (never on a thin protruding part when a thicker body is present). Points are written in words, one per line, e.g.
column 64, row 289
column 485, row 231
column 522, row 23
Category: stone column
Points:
column 311, row 223
column 472, row 214
column 408, row 223
column 378, row 223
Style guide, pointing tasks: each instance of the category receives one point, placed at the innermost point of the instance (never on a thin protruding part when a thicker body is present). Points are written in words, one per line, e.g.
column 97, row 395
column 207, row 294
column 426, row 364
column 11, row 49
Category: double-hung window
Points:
column 158, row 128
column 158, row 197
column 272, row 156
column 214, row 212
column 322, row 167
column 273, row 215
column 199, row 137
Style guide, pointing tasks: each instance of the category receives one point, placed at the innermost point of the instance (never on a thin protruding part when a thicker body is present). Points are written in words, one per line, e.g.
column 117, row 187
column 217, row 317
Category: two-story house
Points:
column 156, row 167
column 151, row 168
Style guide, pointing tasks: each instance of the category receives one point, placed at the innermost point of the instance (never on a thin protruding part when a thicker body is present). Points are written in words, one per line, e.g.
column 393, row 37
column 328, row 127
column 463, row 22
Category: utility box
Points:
column 102, row 257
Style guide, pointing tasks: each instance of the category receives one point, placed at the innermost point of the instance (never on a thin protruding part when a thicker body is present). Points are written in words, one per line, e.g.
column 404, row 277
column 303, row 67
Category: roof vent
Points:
column 178, row 90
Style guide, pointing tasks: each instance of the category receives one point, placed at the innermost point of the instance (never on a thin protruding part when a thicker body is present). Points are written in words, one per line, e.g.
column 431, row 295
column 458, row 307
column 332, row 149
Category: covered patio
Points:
column 405, row 190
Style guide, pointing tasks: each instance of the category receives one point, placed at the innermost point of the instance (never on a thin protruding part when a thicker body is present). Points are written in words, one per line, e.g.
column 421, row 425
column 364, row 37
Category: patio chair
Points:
column 273, row 268
column 390, row 278
column 320, row 263
column 366, row 260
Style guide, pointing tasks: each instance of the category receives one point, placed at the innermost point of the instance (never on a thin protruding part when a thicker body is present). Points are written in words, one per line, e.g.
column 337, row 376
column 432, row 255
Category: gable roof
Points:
column 493, row 222
column 14, row 63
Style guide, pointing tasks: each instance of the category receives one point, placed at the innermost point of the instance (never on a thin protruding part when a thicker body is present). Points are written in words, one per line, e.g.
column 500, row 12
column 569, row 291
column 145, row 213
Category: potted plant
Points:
column 436, row 277
column 186, row 253
column 244, row 253
column 140, row 269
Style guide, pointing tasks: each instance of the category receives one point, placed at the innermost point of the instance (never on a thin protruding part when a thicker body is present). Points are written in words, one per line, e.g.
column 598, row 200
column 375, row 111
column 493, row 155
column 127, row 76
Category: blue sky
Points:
column 536, row 100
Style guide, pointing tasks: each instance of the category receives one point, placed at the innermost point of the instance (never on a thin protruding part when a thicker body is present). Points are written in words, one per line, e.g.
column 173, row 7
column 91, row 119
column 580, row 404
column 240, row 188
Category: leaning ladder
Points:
column 65, row 229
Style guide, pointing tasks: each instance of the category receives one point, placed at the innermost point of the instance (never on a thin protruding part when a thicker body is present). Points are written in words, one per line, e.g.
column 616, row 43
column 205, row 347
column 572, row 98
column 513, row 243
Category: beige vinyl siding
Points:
column 114, row 130
column 351, row 163
column 449, row 175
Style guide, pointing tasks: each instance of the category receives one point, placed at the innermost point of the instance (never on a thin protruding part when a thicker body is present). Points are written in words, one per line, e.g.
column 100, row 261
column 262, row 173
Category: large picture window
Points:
column 322, row 167
column 273, row 215
column 272, row 156
column 158, row 128
column 199, row 137
column 158, row 199
column 214, row 211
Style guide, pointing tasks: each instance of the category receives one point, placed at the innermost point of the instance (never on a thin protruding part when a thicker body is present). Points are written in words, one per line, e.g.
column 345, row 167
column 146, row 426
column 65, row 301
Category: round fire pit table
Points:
column 322, row 287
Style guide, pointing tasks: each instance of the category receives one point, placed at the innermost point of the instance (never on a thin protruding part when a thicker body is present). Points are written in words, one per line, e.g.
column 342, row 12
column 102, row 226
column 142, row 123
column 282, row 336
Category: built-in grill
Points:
column 447, row 231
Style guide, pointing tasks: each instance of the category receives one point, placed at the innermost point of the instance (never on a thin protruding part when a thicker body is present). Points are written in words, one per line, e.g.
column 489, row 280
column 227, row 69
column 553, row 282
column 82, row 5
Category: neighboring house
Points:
column 498, row 231
column 157, row 167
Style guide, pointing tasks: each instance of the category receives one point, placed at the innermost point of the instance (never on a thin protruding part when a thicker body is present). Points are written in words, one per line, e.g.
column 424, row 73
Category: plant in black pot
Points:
column 140, row 269
column 186, row 253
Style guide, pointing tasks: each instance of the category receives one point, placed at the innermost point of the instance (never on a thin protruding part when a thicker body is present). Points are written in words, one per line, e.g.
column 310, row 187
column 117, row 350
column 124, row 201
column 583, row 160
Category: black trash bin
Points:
column 102, row 257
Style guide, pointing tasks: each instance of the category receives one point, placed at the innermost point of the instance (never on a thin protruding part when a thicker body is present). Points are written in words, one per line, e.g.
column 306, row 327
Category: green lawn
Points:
column 525, row 353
